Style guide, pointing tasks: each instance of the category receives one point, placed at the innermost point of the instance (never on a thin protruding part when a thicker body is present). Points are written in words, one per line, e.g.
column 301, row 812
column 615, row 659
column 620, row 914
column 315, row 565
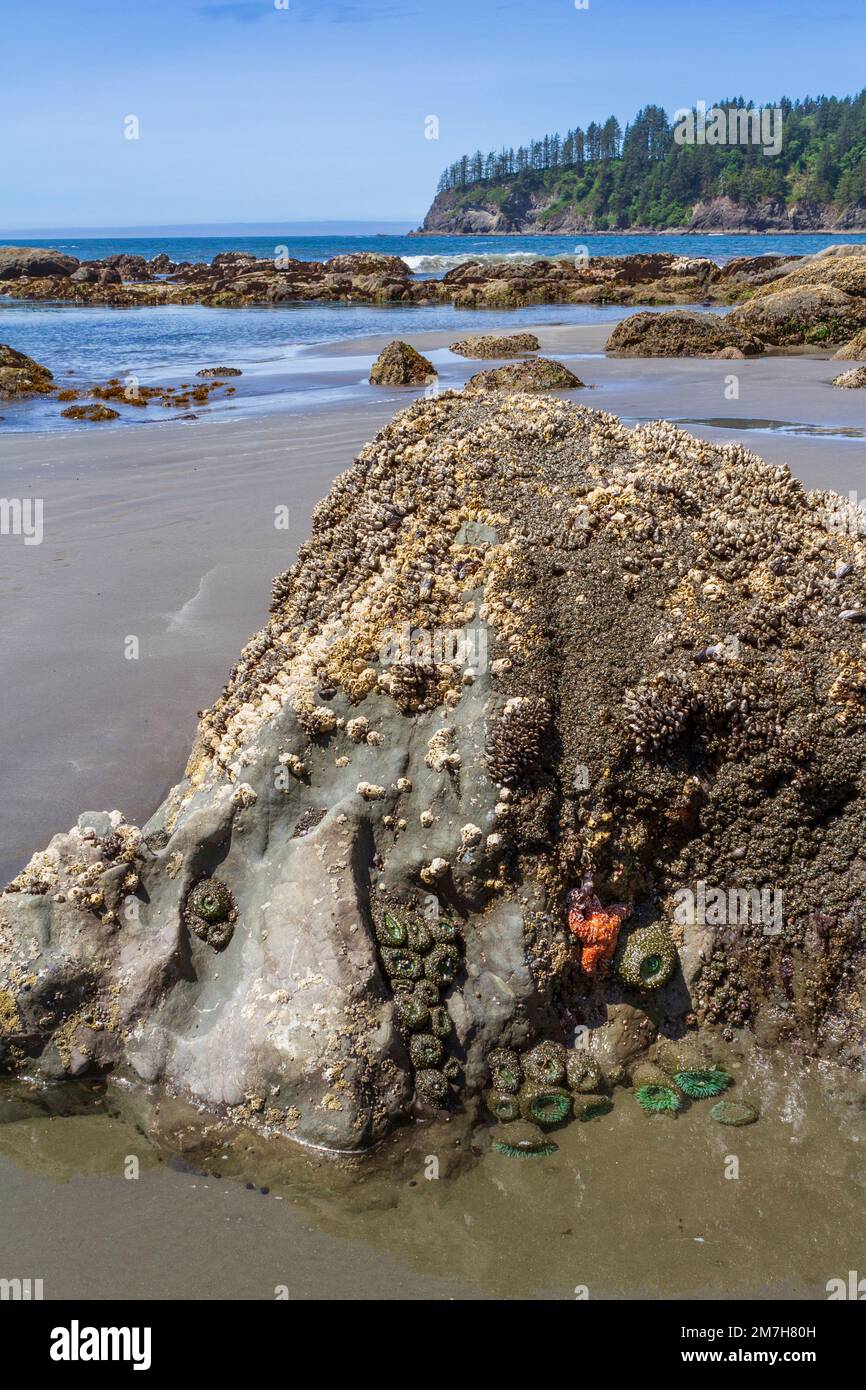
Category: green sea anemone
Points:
column 425, row 1050
column 390, row 931
column 522, row 1141
column 427, row 992
column 402, row 964
column 431, row 1087
column 734, row 1112
column 506, row 1072
column 412, row 1013
column 442, row 964
column 442, row 931
column 545, row 1105
column 418, row 937
column 210, row 899
column 582, row 1073
column 210, row 912
column 648, row 959
column 546, row 1063
column 451, row 1069
column 657, row 1098
column 440, row 1021
column 588, row 1107
column 702, row 1084
column 502, row 1105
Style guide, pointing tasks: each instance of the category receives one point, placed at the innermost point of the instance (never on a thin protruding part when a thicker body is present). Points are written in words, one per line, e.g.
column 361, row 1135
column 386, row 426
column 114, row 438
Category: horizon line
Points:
column 212, row 228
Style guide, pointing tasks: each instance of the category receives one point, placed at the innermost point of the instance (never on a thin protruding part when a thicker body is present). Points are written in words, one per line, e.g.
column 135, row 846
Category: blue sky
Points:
column 252, row 113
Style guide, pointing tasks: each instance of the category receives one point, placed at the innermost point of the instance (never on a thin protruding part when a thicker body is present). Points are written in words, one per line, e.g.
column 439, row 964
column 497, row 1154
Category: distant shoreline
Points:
column 664, row 231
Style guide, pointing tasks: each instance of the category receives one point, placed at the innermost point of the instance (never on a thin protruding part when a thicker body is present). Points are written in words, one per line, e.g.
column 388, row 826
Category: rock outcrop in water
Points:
column 555, row 725
column 236, row 279
column 489, row 345
column 399, row 364
column 678, row 334
column 21, row 376
column 532, row 374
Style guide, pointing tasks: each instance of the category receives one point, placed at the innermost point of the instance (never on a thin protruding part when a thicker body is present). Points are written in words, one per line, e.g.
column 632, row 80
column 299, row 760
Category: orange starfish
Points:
column 596, row 928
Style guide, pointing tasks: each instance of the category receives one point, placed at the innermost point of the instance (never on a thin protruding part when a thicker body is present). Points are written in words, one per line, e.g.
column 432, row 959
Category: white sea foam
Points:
column 419, row 264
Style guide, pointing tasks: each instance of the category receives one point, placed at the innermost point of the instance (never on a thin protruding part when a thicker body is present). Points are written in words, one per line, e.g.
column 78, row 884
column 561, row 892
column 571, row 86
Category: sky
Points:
column 252, row 113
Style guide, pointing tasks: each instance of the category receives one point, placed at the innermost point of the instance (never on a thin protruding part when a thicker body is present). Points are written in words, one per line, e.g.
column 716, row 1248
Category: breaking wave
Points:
column 420, row 265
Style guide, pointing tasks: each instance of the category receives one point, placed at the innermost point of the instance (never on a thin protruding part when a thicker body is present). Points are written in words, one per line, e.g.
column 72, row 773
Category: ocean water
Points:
column 433, row 255
column 275, row 347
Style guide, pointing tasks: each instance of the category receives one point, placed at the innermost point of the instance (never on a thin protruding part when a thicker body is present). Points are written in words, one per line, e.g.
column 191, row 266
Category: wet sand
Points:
column 632, row 1206
column 165, row 534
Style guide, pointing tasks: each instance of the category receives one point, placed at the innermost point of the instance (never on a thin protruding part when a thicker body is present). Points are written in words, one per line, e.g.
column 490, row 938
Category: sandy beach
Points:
column 166, row 533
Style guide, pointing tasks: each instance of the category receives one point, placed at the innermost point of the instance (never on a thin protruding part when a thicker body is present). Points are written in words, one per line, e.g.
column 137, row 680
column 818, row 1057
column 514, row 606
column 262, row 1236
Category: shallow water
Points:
column 789, row 427
column 631, row 1206
column 167, row 345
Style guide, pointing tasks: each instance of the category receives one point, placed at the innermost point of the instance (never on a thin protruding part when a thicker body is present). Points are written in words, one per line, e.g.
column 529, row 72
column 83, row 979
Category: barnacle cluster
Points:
column 515, row 741
column 658, row 710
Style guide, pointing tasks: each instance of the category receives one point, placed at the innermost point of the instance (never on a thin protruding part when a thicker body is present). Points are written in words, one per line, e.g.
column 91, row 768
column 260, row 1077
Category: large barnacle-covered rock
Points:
column 556, row 729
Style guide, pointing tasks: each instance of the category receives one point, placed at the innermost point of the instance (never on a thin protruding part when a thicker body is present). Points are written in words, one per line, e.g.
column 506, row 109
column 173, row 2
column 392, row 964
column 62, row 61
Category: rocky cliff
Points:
column 531, row 205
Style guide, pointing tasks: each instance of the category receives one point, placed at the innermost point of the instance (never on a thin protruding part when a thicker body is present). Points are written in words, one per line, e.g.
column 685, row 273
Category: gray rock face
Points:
column 536, row 683
column 16, row 261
